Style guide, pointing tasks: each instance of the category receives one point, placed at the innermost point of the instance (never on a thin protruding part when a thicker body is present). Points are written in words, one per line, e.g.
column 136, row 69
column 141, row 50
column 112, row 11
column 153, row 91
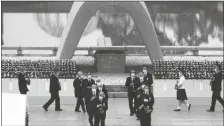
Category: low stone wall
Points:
column 162, row 88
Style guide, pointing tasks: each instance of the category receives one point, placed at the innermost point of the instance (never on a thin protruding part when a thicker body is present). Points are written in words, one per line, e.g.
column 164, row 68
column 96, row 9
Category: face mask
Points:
column 146, row 90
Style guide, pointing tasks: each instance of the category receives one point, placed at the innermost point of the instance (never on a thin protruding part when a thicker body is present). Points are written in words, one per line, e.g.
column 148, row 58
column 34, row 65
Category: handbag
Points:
column 176, row 86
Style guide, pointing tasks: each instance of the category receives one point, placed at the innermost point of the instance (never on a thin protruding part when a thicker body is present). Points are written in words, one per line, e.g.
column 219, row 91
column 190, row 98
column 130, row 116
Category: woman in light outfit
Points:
column 181, row 93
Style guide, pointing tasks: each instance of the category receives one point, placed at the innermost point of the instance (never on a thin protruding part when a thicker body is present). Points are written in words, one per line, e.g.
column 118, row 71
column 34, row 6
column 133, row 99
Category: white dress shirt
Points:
column 181, row 82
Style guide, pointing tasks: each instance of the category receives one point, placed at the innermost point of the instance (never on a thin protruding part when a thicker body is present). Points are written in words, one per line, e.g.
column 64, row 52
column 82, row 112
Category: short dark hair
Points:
column 182, row 71
column 218, row 66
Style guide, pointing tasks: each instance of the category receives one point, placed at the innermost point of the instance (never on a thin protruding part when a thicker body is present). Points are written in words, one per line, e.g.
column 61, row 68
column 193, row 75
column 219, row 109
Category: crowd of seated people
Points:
column 42, row 68
column 38, row 68
column 193, row 69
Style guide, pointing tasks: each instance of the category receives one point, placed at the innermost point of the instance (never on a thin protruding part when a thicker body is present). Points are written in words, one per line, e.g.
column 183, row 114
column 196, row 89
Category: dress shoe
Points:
column 45, row 108
column 77, row 111
column 189, row 107
column 138, row 119
column 58, row 110
column 210, row 110
column 131, row 114
column 84, row 111
column 176, row 110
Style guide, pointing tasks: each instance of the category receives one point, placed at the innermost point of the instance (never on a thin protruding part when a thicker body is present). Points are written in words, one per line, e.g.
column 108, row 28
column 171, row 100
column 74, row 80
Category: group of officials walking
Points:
column 140, row 95
column 92, row 95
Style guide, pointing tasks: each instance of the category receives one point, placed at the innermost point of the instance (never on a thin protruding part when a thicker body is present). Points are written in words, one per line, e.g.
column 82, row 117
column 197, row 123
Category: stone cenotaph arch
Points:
column 81, row 13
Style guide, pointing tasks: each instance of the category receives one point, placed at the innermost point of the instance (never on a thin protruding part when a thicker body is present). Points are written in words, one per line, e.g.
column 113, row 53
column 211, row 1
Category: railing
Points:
column 195, row 49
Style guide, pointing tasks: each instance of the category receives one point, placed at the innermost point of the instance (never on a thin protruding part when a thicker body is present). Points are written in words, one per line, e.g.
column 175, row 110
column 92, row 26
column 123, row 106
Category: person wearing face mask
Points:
column 79, row 87
column 102, row 107
column 55, row 87
column 101, row 88
column 181, row 93
column 132, row 83
column 91, row 104
column 89, row 81
column 145, row 108
column 148, row 79
column 216, row 87
column 140, row 90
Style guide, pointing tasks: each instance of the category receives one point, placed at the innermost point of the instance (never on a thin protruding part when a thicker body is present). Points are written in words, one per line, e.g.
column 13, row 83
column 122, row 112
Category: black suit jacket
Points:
column 103, row 103
column 91, row 104
column 136, row 82
column 150, row 99
column 22, row 84
column 217, row 82
column 104, row 90
column 78, row 84
column 88, row 83
column 54, row 84
column 148, row 79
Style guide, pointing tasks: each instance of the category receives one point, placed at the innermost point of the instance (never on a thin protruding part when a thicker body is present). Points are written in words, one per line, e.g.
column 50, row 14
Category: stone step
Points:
column 116, row 88
column 117, row 94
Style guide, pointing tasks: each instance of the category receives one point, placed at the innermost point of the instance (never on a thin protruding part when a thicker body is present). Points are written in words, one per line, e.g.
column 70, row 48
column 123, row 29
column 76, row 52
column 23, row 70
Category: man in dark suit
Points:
column 22, row 81
column 102, row 88
column 132, row 83
column 102, row 106
column 145, row 108
column 148, row 79
column 55, row 87
column 91, row 104
column 78, row 84
column 88, row 82
column 140, row 90
column 216, row 87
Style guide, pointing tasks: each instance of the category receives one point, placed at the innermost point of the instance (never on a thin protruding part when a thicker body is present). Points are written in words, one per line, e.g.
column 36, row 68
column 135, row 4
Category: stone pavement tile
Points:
column 161, row 121
column 218, row 123
column 118, row 115
column 203, row 123
column 182, row 123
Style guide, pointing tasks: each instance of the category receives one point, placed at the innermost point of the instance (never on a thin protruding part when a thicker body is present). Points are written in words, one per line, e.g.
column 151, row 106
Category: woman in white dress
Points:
column 181, row 93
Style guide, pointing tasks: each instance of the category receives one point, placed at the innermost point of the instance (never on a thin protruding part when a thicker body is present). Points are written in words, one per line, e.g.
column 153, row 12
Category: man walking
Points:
column 22, row 81
column 132, row 83
column 148, row 79
column 55, row 87
column 216, row 87
column 79, row 92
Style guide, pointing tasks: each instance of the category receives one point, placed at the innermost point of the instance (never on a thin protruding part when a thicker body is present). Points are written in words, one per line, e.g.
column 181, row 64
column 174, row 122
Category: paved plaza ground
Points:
column 118, row 114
